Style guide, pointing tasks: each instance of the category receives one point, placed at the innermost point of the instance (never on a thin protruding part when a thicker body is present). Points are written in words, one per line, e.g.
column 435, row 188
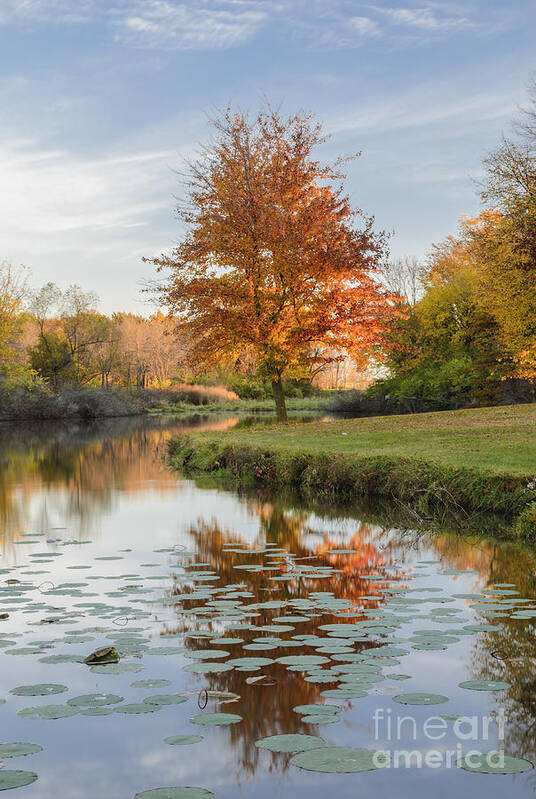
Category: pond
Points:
column 391, row 662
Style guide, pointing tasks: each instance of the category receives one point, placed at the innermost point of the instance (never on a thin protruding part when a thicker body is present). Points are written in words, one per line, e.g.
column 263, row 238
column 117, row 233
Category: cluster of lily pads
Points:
column 352, row 648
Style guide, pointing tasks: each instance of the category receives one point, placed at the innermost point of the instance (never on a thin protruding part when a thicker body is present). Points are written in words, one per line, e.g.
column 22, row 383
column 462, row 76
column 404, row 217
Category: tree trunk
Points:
column 279, row 397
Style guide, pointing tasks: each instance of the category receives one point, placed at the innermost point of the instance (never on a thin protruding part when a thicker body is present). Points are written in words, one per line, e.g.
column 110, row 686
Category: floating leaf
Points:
column 43, row 689
column 117, row 668
column 94, row 700
column 18, row 749
column 337, row 759
column 420, row 699
column 48, row 712
column 182, row 740
column 215, row 719
column 15, row 779
column 290, row 743
column 492, row 763
column 135, row 708
column 150, row 683
column 165, row 699
column 185, row 792
column 484, row 685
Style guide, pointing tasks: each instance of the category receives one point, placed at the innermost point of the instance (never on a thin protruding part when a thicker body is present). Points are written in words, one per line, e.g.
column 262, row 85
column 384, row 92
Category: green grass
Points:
column 465, row 465
column 317, row 403
column 500, row 439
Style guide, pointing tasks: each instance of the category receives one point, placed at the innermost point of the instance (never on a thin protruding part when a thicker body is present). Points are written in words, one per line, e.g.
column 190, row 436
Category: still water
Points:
column 255, row 607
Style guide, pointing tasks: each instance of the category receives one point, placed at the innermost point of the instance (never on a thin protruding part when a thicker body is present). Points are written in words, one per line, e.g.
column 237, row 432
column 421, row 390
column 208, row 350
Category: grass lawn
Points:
column 316, row 403
column 500, row 439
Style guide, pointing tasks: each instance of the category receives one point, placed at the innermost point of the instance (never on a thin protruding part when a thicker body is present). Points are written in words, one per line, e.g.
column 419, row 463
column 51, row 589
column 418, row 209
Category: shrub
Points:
column 39, row 401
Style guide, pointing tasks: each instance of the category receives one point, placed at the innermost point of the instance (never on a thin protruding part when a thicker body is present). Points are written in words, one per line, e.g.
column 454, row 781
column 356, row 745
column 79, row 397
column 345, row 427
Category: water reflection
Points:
column 289, row 529
column 106, row 482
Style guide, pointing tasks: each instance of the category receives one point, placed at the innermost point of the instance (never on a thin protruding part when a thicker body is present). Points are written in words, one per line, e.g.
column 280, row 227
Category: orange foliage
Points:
column 273, row 263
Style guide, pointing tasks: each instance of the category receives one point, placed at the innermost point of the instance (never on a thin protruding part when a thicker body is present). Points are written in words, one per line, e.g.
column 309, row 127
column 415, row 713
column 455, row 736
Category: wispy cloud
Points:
column 223, row 24
column 364, row 26
column 427, row 106
column 428, row 19
column 46, row 11
column 180, row 26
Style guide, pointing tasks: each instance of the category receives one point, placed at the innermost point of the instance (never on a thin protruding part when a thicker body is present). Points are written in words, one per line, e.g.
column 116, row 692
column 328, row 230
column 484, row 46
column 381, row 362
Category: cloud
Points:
column 364, row 26
column 223, row 24
column 427, row 19
column 160, row 24
column 52, row 192
column 46, row 11
column 453, row 109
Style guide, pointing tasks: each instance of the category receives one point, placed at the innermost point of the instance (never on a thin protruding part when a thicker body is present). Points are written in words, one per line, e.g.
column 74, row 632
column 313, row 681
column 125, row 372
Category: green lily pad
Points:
column 205, row 667
column 316, row 710
column 181, row 740
column 170, row 650
column 165, row 699
column 135, row 708
column 15, row 779
column 18, row 750
column 290, row 743
column 215, row 719
column 185, row 792
column 97, row 711
column 420, row 699
column 47, row 712
column 321, row 718
column 302, row 660
column 493, row 763
column 116, row 668
column 43, row 689
column 94, row 700
column 150, row 683
column 484, row 685
column 336, row 759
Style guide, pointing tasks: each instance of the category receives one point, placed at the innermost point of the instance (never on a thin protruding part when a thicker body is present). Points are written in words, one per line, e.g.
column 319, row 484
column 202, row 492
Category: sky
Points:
column 101, row 100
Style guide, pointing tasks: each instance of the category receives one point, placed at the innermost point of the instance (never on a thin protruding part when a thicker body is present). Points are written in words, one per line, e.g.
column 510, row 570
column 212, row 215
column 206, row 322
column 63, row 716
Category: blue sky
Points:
column 100, row 99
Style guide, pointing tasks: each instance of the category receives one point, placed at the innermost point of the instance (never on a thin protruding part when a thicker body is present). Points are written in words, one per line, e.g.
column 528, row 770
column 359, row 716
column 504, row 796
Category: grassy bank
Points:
column 319, row 403
column 461, row 462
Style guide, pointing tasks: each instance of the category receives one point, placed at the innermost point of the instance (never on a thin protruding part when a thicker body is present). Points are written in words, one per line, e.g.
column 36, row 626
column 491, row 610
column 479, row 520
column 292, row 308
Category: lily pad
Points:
column 165, row 699
column 302, row 660
column 185, row 792
column 336, row 759
column 117, row 668
column 182, row 740
column 316, row 710
column 15, row 779
column 97, row 711
column 205, row 667
column 94, row 700
column 43, row 689
column 493, row 763
column 215, row 719
column 135, row 708
column 47, row 712
column 484, row 685
column 18, row 750
column 290, row 743
column 150, row 683
column 420, row 699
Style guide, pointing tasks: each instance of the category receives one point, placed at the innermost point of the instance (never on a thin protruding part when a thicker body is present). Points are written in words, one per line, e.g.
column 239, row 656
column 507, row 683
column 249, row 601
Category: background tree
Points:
column 13, row 294
column 404, row 277
column 274, row 262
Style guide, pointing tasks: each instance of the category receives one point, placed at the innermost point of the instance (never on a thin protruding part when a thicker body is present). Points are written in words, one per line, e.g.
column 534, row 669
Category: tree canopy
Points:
column 275, row 261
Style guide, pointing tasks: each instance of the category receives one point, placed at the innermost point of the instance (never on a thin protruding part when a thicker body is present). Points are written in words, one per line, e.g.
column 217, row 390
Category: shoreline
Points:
column 424, row 489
